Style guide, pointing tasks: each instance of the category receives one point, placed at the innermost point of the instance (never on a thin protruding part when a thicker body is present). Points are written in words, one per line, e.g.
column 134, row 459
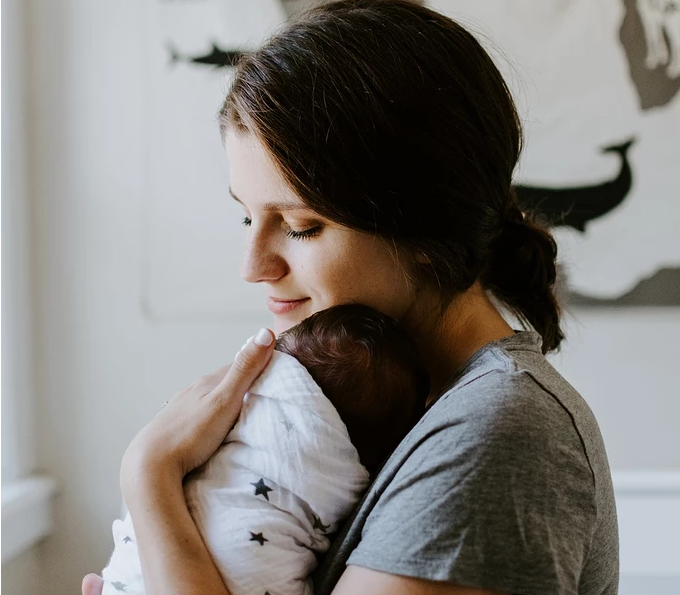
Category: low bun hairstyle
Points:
column 390, row 118
column 521, row 272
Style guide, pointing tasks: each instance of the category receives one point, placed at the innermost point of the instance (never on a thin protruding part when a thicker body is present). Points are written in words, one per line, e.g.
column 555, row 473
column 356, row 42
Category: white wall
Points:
column 625, row 363
column 22, row 575
column 102, row 368
column 17, row 328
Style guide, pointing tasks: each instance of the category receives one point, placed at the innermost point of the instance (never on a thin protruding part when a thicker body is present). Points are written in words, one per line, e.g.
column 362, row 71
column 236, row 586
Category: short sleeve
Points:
column 499, row 496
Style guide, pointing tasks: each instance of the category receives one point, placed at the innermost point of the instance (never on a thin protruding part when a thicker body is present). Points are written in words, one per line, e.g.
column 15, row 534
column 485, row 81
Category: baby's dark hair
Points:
column 369, row 368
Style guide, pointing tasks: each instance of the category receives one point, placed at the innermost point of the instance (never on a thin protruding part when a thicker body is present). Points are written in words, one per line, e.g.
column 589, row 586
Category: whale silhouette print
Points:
column 576, row 206
column 217, row 57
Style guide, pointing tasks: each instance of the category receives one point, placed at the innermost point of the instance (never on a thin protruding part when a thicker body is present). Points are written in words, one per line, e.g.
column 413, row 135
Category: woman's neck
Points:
column 449, row 340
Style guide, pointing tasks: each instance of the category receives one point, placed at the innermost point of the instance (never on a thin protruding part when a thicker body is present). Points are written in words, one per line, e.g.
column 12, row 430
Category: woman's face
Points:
column 305, row 262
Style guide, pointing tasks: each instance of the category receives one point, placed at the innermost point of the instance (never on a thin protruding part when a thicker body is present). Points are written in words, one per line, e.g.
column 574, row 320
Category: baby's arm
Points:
column 261, row 536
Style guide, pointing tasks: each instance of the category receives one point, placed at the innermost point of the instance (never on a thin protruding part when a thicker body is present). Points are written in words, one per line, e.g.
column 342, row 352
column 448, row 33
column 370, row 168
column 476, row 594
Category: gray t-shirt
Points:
column 503, row 484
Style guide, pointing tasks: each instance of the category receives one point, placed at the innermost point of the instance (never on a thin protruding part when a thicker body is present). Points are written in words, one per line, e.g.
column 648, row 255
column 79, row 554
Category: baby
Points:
column 342, row 389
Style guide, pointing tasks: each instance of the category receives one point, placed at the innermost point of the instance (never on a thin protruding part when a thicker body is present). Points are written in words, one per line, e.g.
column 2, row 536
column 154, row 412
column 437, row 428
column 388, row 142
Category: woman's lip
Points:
column 282, row 306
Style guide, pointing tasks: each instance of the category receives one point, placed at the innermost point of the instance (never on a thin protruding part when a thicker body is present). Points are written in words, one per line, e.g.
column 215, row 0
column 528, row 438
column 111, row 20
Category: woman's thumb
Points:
column 248, row 365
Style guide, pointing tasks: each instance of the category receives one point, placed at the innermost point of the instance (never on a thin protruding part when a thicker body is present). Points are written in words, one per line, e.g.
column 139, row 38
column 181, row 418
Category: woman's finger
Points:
column 93, row 584
column 247, row 366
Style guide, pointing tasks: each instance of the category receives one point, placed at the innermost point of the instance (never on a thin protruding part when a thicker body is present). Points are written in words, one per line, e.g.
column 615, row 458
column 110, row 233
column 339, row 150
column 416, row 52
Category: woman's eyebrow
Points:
column 274, row 206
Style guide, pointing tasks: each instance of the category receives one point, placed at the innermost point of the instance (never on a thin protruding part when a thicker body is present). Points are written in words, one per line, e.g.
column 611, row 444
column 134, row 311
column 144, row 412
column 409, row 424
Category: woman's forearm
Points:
column 173, row 556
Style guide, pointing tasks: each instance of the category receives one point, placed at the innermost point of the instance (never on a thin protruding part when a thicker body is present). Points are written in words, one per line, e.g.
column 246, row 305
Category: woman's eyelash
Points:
column 305, row 234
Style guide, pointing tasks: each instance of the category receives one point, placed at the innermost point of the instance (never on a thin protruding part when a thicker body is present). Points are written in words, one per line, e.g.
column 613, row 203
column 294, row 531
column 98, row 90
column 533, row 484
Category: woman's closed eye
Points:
column 303, row 234
column 295, row 234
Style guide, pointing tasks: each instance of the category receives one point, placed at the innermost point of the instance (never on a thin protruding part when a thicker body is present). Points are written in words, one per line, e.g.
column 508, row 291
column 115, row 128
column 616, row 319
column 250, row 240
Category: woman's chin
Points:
column 282, row 324
column 285, row 320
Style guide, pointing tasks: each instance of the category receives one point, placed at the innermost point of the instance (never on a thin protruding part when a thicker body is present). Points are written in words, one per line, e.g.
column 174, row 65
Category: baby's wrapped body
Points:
column 298, row 459
column 264, row 503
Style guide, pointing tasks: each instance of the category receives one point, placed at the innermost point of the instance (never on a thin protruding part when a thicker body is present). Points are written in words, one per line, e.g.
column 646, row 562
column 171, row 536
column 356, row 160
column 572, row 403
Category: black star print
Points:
column 119, row 586
column 288, row 425
column 261, row 488
column 258, row 537
column 127, row 539
column 319, row 525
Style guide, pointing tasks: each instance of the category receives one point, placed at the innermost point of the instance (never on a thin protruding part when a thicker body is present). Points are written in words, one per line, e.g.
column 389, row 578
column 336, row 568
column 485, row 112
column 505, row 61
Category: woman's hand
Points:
column 182, row 436
column 193, row 424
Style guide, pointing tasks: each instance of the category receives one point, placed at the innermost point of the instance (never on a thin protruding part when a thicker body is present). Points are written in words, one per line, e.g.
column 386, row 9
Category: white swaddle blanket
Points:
column 285, row 476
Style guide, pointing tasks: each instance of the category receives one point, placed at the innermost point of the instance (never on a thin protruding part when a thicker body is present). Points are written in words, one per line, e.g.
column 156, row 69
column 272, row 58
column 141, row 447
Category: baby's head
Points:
column 369, row 368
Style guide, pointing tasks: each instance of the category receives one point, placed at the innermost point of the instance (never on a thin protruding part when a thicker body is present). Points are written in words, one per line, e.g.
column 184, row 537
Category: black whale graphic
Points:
column 217, row 57
column 577, row 205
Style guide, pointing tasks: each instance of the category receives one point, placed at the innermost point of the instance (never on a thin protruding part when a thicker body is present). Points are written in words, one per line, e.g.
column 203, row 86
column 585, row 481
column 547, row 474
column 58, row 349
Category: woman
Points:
column 372, row 146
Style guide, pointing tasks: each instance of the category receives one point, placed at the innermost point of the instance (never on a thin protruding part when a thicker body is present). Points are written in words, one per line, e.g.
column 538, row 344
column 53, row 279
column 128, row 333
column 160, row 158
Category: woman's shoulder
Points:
column 506, row 460
column 509, row 388
column 507, row 396
column 507, row 373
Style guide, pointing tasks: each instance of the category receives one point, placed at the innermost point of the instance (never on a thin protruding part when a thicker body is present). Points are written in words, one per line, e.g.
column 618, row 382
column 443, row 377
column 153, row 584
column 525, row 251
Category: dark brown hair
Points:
column 388, row 117
column 369, row 368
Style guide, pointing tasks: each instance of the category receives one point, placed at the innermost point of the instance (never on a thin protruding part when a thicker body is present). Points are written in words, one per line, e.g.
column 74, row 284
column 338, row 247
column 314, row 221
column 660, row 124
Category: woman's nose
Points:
column 262, row 261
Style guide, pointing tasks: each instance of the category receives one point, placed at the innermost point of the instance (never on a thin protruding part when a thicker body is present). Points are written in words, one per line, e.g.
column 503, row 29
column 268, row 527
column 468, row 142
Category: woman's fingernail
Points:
column 264, row 337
